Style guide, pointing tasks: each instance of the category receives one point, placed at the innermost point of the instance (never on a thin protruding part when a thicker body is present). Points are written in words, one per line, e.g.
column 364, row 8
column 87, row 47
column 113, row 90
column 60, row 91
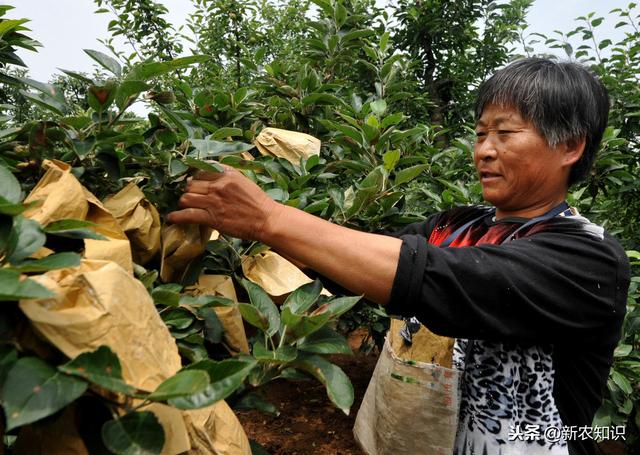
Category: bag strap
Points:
column 562, row 208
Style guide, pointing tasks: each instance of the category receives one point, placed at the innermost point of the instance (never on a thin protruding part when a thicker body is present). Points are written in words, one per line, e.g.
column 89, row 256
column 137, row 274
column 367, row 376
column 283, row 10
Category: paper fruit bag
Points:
column 234, row 335
column 139, row 219
column 61, row 196
column 99, row 303
column 276, row 275
column 410, row 406
column 181, row 243
column 289, row 145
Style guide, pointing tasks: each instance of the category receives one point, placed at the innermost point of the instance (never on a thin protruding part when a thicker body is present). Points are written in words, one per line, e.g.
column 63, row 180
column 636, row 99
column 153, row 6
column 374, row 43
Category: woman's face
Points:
column 520, row 174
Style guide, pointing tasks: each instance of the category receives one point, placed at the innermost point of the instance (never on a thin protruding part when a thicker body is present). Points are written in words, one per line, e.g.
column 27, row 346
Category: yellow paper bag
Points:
column 181, row 243
column 274, row 274
column 99, row 303
column 216, row 430
column 289, row 145
column 139, row 219
column 61, row 196
column 234, row 335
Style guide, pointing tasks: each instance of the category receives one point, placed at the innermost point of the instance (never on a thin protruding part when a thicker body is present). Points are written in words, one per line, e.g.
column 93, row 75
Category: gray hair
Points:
column 563, row 100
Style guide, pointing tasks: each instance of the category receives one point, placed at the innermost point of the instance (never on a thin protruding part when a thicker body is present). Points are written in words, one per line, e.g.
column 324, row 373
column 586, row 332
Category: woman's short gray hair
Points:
column 563, row 100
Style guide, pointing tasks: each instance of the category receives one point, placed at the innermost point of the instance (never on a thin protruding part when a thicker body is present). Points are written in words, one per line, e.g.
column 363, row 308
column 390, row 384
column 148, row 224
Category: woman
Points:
column 533, row 293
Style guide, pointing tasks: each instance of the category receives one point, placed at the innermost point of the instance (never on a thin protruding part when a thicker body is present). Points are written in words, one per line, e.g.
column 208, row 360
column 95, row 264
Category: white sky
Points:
column 66, row 27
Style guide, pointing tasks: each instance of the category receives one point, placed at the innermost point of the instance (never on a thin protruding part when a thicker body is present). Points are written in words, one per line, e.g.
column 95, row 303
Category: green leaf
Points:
column 137, row 433
column 26, row 238
column 225, row 378
column 128, row 92
column 390, row 159
column 622, row 350
column 166, row 297
column 202, row 165
column 183, row 384
column 100, row 367
column 302, row 326
column 378, row 107
column 356, row 35
column 304, row 297
column 338, row 306
column 222, row 133
column 148, row 70
column 325, row 341
column 74, row 229
column 253, row 316
column 46, row 102
column 108, row 63
column 49, row 91
column 261, row 300
column 322, row 98
column 13, row 287
column 255, row 401
column 10, row 209
column 392, row 119
column 283, row 354
column 339, row 388
column 9, row 186
column 177, row 318
column 207, row 148
column 33, row 390
column 205, row 300
column 410, row 173
column 54, row 261
column 11, row 26
column 622, row 382
column 80, row 77
column 213, row 329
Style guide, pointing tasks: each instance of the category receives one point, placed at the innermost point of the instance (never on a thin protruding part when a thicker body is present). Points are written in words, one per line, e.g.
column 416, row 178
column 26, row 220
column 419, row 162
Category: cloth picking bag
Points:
column 412, row 401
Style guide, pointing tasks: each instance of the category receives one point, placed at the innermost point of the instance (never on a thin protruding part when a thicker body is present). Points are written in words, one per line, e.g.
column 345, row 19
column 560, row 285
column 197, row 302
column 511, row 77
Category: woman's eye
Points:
column 480, row 134
column 505, row 131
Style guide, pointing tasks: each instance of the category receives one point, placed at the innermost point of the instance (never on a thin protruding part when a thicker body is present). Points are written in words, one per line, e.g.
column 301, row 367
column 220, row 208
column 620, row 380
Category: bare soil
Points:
column 309, row 423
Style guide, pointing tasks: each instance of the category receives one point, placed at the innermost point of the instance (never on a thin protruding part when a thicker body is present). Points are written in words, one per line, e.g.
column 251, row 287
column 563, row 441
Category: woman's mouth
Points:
column 489, row 176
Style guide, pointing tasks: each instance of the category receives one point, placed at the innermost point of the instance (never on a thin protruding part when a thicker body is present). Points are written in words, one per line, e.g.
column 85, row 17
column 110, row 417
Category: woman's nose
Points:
column 485, row 149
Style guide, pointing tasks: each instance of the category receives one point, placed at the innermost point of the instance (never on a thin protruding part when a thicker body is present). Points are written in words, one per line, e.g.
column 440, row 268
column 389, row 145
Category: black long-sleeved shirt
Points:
column 545, row 312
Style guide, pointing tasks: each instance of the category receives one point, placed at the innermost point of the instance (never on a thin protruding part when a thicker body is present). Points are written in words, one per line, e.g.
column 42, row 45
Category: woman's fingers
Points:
column 199, row 186
column 190, row 216
column 206, row 175
column 195, row 200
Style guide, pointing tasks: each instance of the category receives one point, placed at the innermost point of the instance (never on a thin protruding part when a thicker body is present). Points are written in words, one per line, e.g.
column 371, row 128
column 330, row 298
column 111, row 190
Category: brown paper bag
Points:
column 205, row 427
column 410, row 406
column 234, row 335
column 276, row 275
column 99, row 303
column 139, row 219
column 61, row 197
column 181, row 243
column 289, row 145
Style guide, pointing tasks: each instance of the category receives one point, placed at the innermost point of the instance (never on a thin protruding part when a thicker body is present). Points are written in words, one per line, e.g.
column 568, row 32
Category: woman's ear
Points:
column 572, row 150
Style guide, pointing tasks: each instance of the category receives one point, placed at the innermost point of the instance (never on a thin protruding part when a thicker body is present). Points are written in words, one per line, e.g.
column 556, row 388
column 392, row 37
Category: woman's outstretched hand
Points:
column 226, row 201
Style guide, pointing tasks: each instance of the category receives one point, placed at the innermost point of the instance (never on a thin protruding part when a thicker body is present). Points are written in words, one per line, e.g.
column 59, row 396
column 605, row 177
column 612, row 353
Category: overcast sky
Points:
column 65, row 27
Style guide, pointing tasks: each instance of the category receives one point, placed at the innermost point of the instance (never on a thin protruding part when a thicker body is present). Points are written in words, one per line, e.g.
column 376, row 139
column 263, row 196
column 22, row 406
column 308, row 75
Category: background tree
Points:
column 454, row 46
